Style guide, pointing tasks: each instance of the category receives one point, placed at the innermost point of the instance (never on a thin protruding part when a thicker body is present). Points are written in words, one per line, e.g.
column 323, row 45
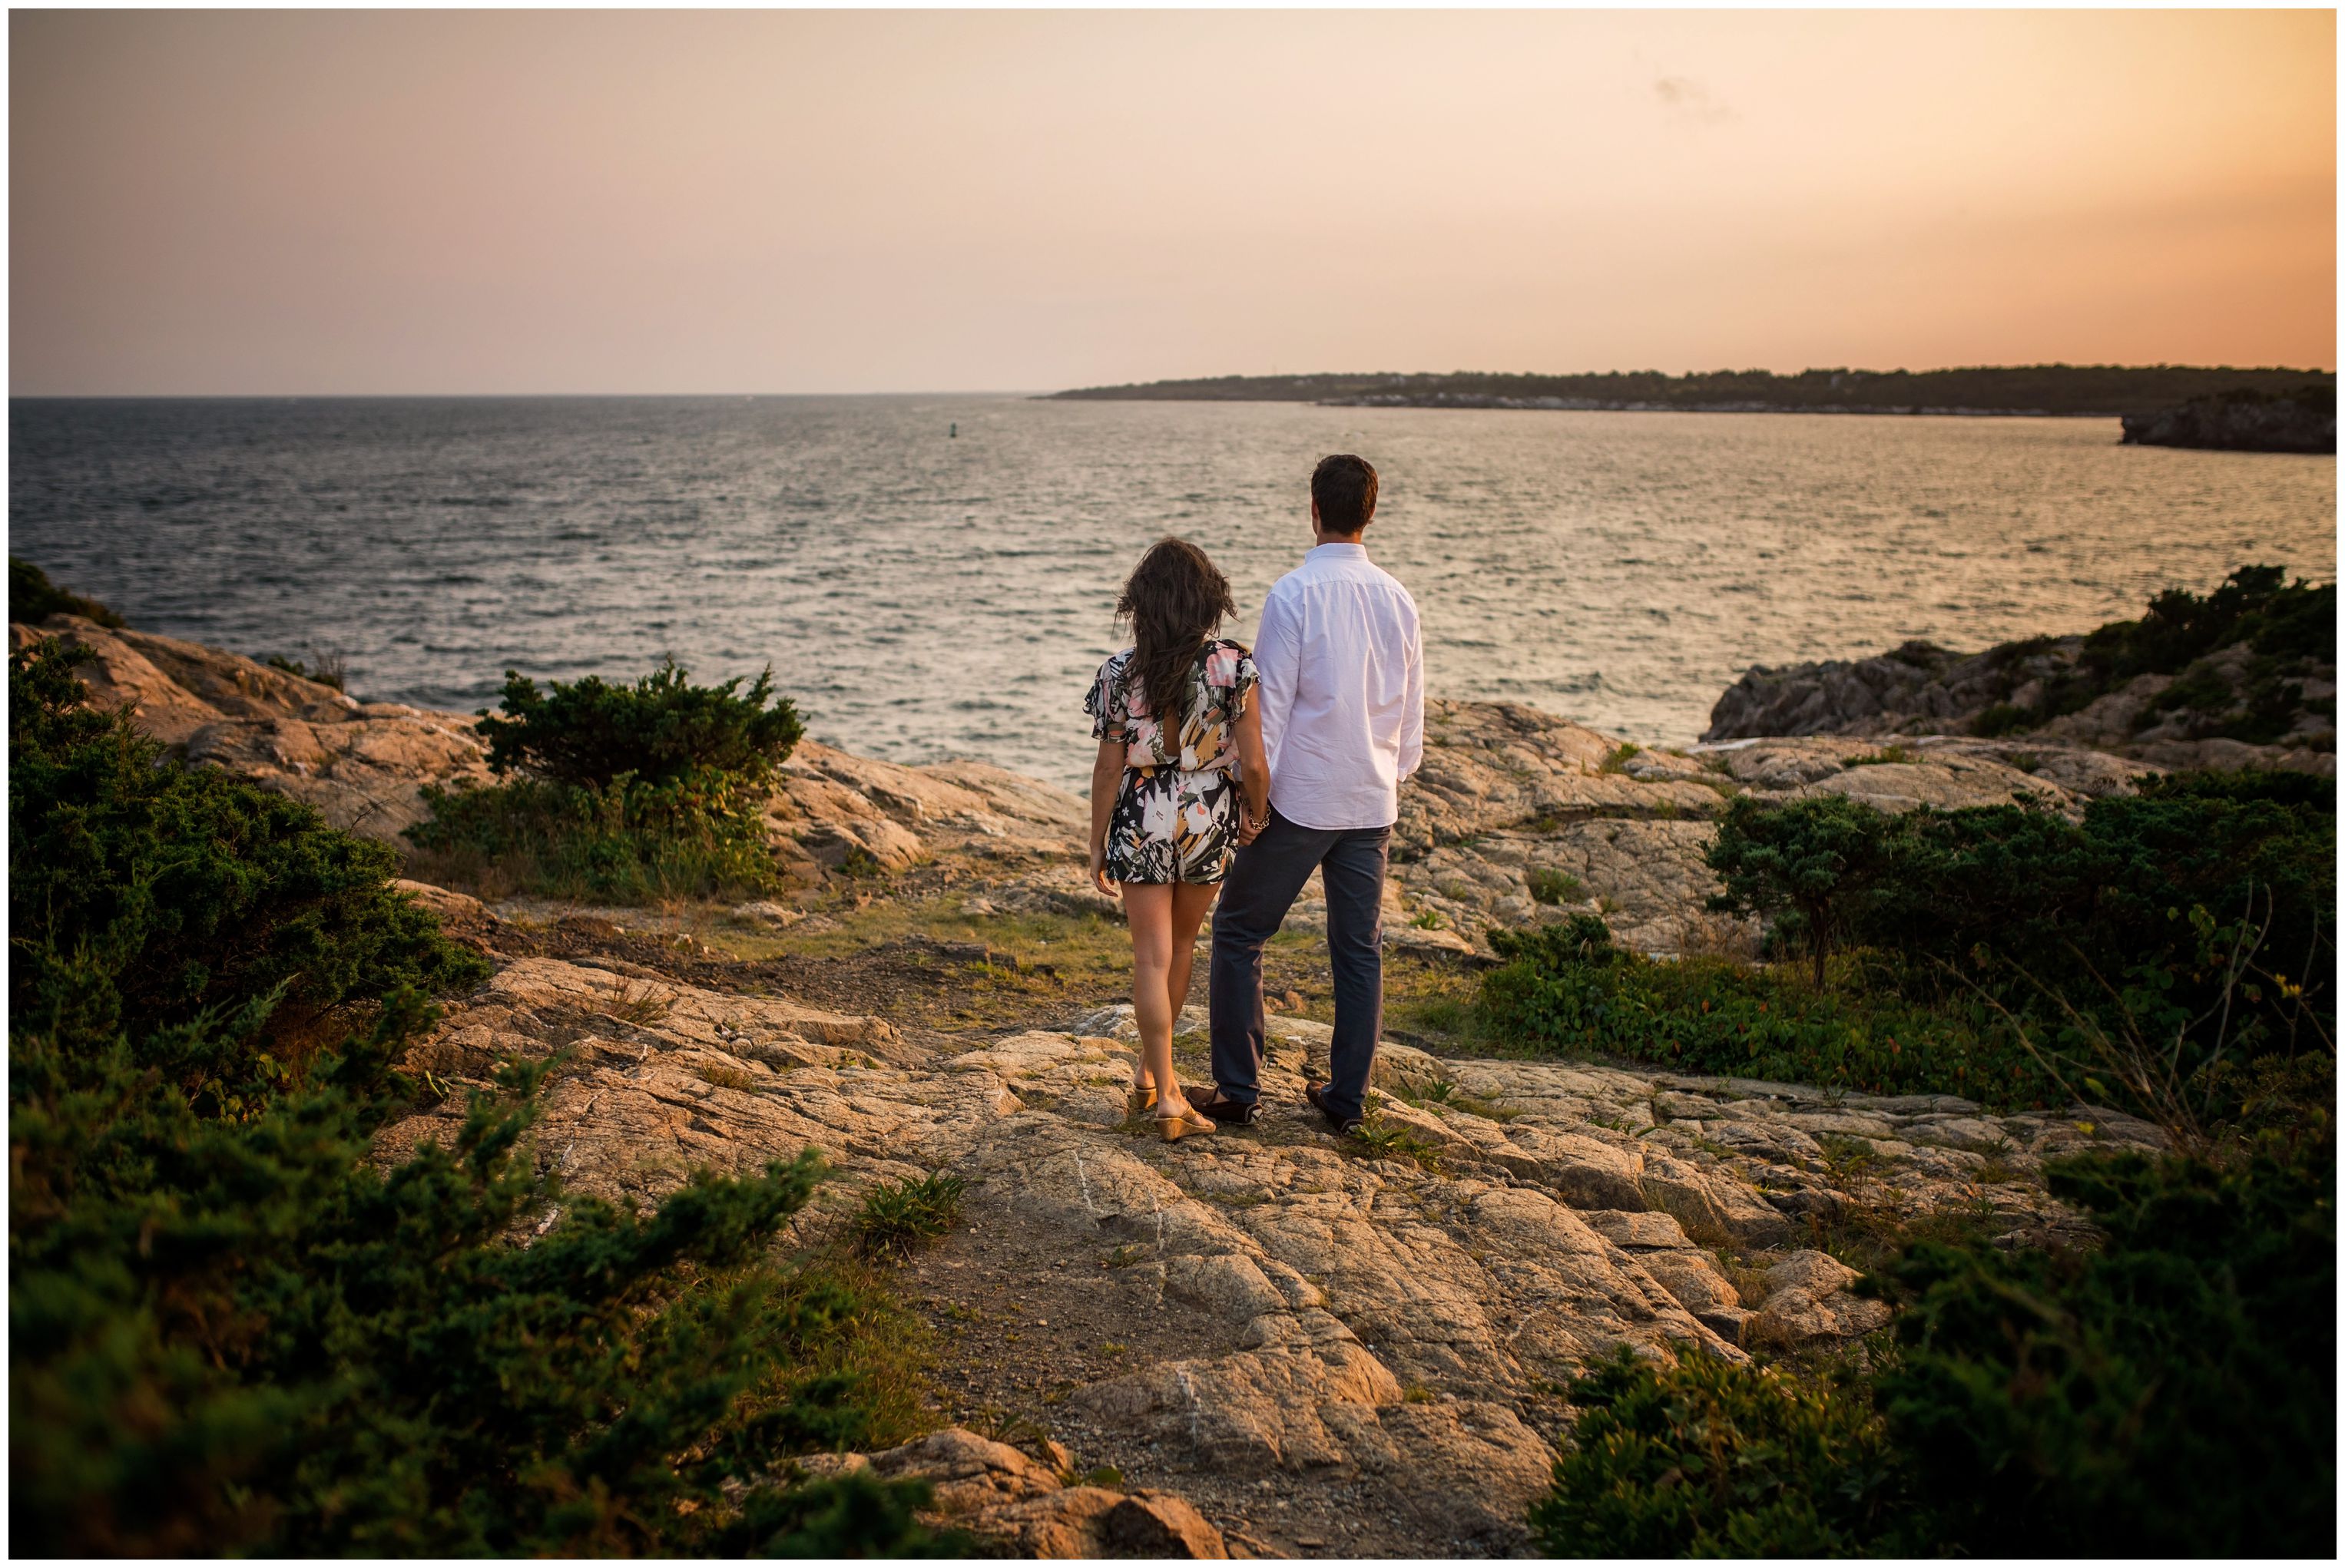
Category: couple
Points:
column 1218, row 765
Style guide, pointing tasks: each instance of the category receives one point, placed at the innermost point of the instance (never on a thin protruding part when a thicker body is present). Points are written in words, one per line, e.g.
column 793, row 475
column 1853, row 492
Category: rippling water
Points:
column 924, row 595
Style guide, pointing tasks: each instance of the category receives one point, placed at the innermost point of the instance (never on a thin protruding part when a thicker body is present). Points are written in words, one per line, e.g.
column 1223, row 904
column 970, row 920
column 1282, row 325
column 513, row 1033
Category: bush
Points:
column 2168, row 1393
column 1810, row 863
column 633, row 840
column 2171, row 1394
column 33, row 598
column 661, row 729
column 1567, row 988
column 231, row 1332
column 2131, row 919
column 149, row 896
column 1712, row 1459
column 629, row 793
column 2288, row 626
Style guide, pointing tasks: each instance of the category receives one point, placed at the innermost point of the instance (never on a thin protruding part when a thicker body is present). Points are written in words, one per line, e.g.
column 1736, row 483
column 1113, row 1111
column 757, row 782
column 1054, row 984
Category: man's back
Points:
column 1343, row 690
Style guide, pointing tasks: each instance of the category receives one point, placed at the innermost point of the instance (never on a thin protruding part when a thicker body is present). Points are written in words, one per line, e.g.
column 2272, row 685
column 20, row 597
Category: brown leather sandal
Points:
column 1183, row 1125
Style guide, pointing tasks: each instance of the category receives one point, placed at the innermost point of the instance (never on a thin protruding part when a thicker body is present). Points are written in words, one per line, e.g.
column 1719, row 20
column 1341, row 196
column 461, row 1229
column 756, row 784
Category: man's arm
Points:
column 1278, row 661
column 1411, row 716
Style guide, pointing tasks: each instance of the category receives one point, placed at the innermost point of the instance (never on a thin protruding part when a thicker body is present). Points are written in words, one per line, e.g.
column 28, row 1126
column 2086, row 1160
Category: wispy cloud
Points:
column 1684, row 96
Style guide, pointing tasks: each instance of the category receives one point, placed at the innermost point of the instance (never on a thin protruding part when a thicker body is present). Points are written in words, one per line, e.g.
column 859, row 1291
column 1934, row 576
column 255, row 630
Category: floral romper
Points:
column 1176, row 815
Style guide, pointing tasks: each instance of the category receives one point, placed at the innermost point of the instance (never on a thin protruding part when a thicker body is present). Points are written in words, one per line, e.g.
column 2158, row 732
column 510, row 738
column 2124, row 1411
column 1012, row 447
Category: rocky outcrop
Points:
column 1516, row 817
column 1026, row 1508
column 1389, row 1314
column 362, row 765
column 2242, row 421
column 1924, row 690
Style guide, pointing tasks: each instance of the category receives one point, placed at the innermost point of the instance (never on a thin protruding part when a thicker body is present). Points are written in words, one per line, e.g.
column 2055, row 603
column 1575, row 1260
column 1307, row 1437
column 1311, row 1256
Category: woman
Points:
column 1179, row 739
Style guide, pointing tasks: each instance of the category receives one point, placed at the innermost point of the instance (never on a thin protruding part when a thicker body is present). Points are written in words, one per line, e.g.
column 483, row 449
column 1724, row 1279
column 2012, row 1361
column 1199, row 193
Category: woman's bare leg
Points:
column 1191, row 901
column 1148, row 908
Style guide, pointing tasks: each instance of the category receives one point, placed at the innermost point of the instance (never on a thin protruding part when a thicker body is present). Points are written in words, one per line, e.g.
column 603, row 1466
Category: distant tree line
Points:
column 2100, row 390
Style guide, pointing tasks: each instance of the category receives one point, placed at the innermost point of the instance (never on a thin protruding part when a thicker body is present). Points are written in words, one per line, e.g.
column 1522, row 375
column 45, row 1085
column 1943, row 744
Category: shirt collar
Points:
column 1337, row 553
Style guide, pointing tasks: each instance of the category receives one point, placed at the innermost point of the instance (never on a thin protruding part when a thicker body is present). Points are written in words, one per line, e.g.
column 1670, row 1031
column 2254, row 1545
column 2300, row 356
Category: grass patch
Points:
column 1443, row 1094
column 1380, row 1140
column 1617, row 760
column 898, row 1216
column 330, row 670
column 1550, row 885
column 1875, row 759
column 1565, row 989
column 630, row 841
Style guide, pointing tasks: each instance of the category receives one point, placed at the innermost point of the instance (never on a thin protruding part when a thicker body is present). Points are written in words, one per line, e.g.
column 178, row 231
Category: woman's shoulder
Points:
column 1227, row 659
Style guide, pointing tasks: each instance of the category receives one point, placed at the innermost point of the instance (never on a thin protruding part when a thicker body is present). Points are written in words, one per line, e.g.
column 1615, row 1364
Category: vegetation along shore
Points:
column 2149, row 392
column 618, row 1123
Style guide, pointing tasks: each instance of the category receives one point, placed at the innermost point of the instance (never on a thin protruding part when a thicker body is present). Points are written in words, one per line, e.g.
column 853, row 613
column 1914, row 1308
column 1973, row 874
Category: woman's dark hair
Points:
column 1174, row 599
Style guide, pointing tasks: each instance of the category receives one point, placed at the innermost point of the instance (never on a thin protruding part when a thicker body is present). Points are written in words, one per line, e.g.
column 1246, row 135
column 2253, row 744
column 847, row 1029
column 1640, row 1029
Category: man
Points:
column 1343, row 719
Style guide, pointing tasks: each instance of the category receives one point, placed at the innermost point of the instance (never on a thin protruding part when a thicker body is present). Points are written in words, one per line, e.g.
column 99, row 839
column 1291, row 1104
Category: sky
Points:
column 721, row 202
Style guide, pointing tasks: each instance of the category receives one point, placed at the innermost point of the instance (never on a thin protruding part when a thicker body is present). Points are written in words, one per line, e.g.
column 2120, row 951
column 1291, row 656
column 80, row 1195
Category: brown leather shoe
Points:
column 1222, row 1108
column 1343, row 1126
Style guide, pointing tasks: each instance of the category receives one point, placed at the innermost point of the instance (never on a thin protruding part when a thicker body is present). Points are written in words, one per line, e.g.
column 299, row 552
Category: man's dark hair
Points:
column 1344, row 487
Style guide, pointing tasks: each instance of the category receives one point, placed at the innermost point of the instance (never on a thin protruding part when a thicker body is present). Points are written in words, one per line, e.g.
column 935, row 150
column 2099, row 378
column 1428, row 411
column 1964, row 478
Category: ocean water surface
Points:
column 923, row 594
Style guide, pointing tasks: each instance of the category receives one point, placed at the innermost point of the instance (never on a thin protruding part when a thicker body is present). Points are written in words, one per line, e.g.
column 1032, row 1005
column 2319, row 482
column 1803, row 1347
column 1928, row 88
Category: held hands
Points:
column 1248, row 828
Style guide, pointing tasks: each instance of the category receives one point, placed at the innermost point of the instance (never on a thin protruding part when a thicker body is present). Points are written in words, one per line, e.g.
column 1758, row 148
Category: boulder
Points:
column 998, row 1494
column 362, row 765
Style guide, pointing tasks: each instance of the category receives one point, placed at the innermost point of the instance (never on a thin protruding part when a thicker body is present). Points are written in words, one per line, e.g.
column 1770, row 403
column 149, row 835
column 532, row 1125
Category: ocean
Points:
column 923, row 593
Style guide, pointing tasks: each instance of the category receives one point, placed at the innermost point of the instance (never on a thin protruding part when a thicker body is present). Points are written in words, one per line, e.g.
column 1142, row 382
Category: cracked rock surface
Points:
column 1344, row 1320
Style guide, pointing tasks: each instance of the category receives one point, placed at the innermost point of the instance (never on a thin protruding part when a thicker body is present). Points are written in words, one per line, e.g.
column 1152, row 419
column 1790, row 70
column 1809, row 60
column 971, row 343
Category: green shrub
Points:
column 628, row 793
column 148, row 895
column 1568, row 988
column 2169, row 1393
column 33, row 598
column 633, row 840
column 660, row 730
column 1808, row 864
column 1711, row 1459
column 2290, row 627
column 229, row 1331
column 2131, row 918
column 2003, row 718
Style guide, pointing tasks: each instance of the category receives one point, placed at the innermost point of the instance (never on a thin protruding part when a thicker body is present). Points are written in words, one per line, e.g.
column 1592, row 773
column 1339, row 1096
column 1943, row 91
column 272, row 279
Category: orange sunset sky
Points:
column 286, row 202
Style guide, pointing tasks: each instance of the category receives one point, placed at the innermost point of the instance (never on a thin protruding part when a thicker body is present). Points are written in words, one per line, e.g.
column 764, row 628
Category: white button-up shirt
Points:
column 1343, row 690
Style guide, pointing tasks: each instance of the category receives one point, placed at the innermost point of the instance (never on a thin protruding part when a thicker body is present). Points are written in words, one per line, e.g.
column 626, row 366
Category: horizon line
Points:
column 1165, row 380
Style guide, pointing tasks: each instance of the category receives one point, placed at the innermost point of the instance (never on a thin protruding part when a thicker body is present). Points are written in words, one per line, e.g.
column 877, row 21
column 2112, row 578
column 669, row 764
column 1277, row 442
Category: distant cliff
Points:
column 2105, row 391
column 2243, row 419
column 2246, row 675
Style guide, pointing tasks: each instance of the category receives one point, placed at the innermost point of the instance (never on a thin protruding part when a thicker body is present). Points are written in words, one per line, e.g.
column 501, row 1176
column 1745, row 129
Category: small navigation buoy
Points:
column 954, row 429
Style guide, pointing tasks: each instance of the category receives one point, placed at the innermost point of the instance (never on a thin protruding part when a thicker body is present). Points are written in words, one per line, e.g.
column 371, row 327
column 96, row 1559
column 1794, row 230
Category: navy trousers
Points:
column 1262, row 885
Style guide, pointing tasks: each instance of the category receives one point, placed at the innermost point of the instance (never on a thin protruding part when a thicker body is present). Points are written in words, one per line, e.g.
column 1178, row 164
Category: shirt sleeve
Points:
column 1232, row 668
column 1103, row 703
column 1278, row 664
column 1412, row 717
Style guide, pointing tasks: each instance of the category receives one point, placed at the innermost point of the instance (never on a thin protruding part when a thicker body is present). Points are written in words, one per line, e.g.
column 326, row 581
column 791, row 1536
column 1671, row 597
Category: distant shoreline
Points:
column 2029, row 391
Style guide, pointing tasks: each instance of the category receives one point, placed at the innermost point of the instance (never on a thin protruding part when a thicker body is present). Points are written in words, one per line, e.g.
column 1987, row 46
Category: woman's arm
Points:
column 1253, row 771
column 1107, row 778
